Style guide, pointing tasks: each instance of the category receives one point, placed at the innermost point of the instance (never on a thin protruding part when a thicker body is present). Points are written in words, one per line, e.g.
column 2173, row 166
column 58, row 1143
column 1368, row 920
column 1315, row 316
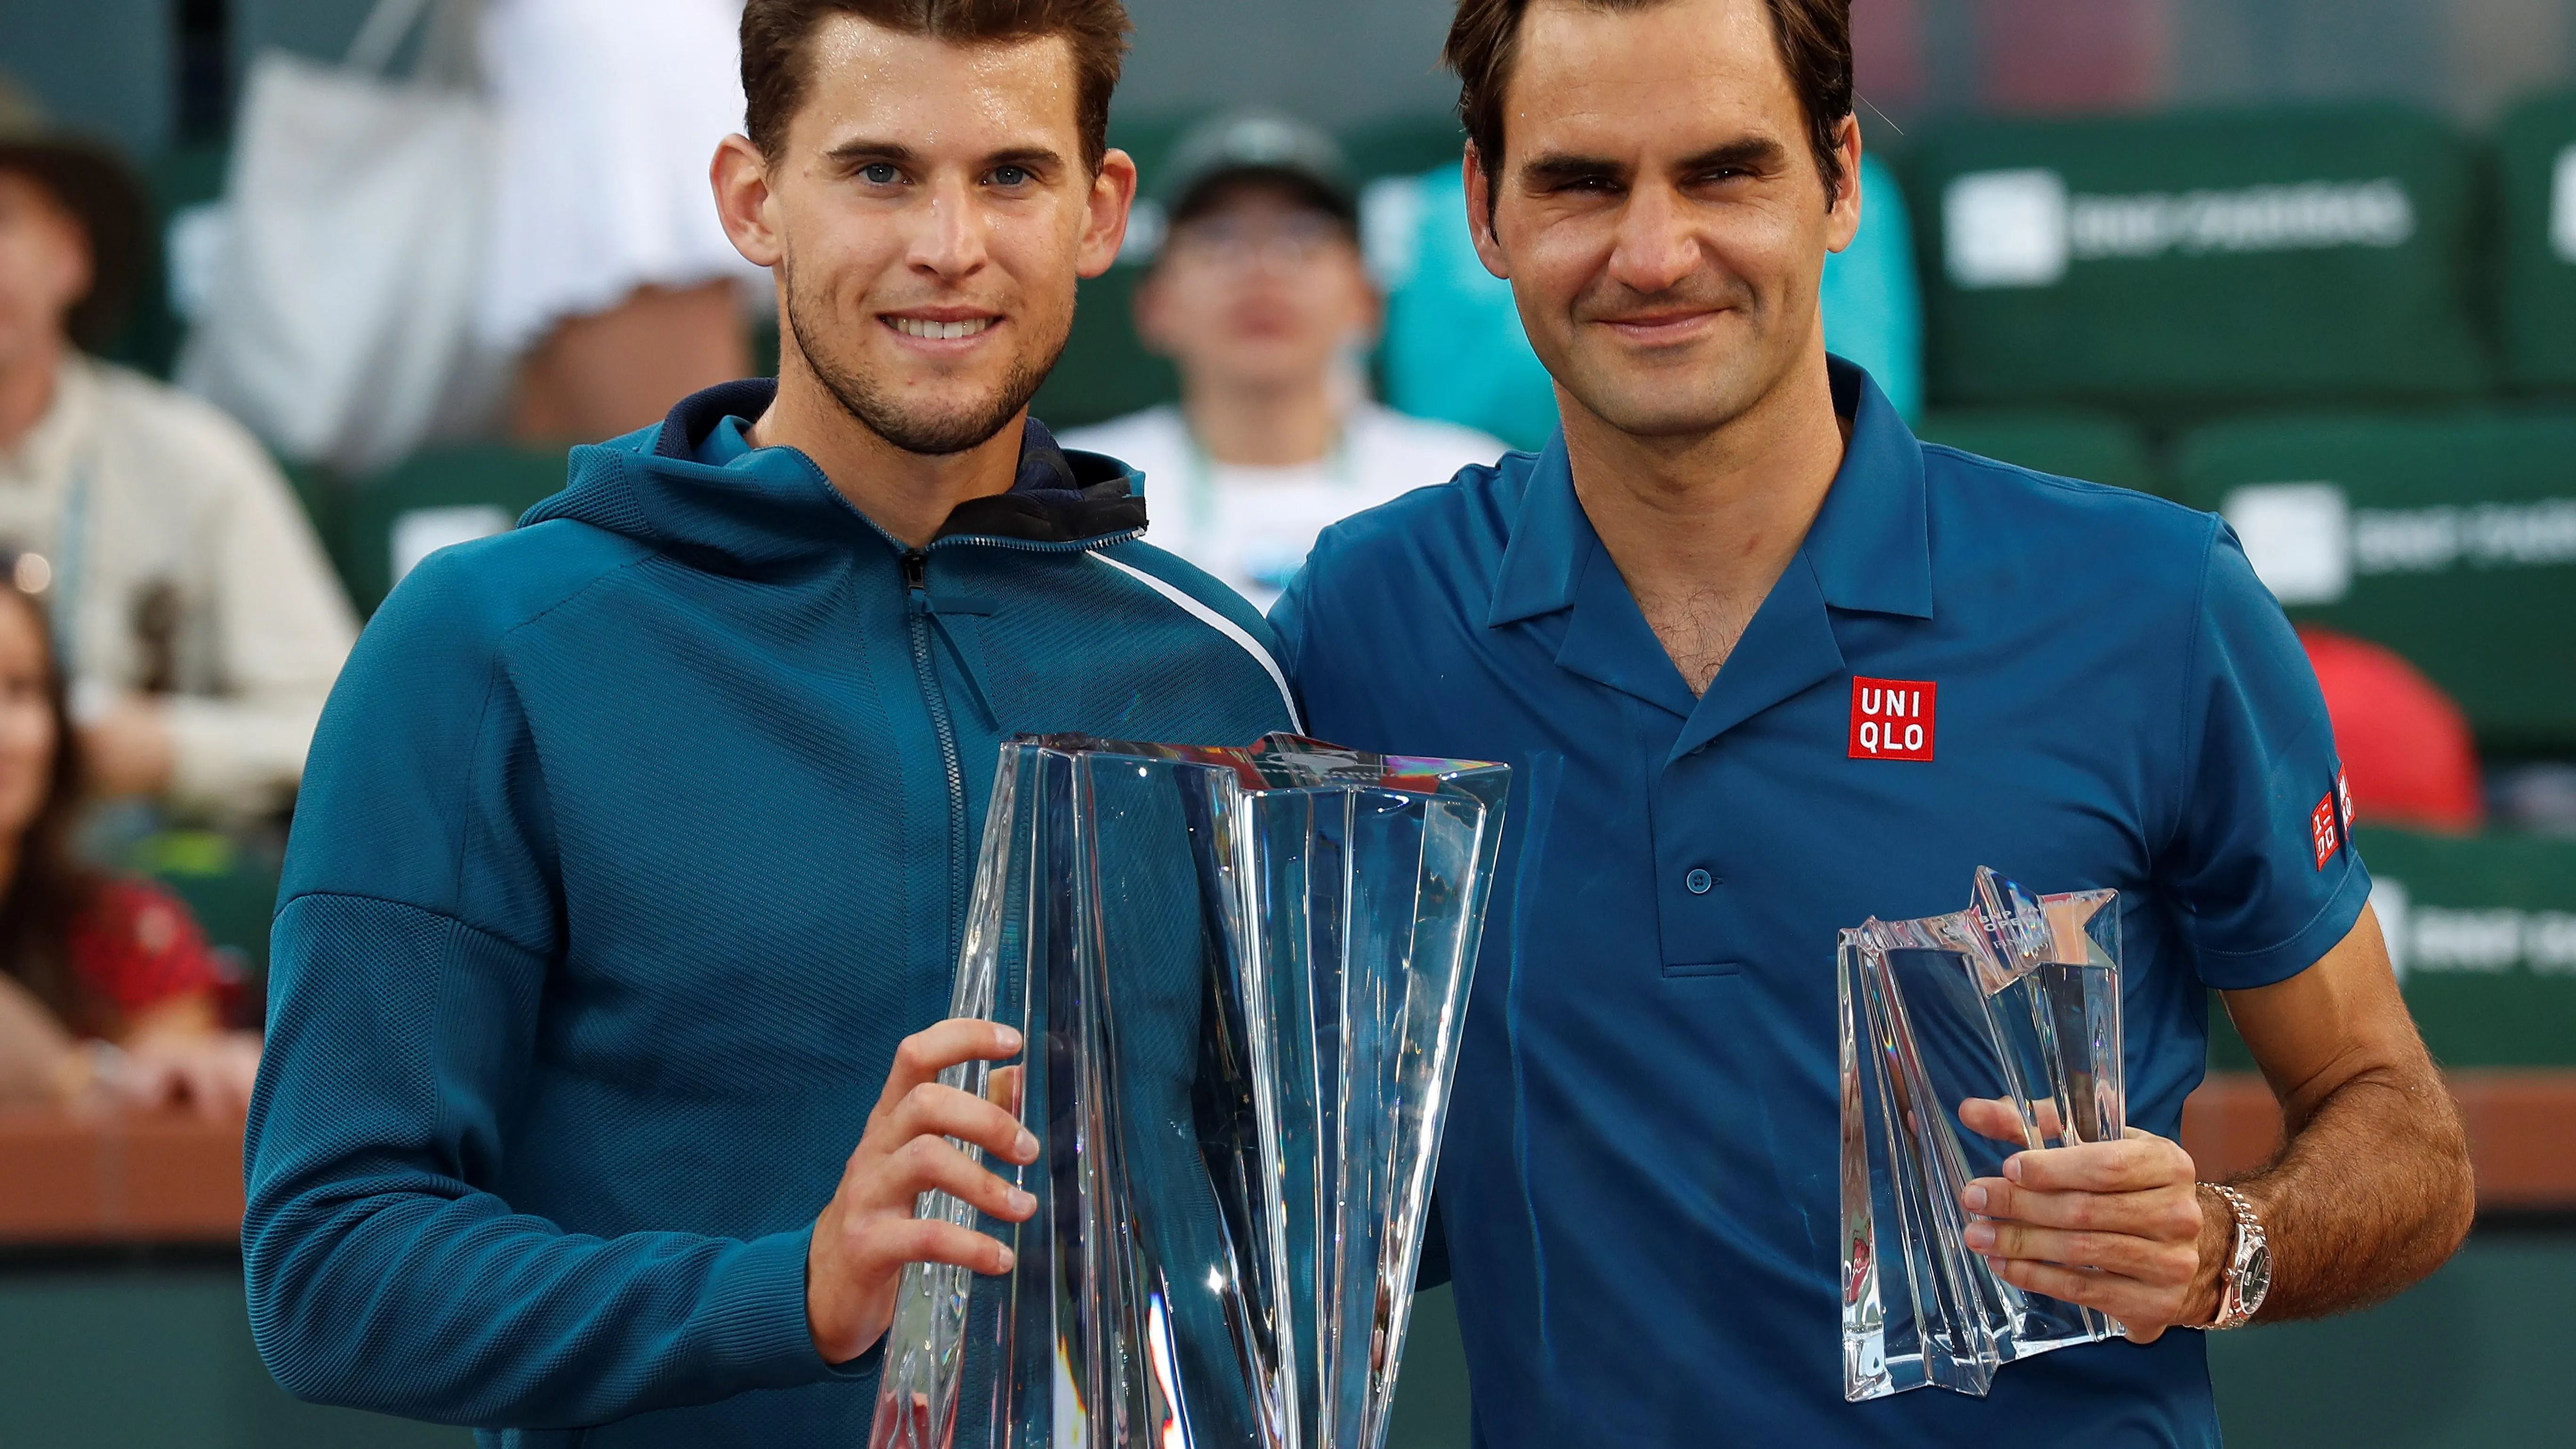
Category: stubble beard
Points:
column 925, row 431
column 1694, row 403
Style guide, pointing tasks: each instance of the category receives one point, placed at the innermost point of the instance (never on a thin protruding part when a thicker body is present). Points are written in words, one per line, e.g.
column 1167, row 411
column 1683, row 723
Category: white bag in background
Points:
column 339, row 321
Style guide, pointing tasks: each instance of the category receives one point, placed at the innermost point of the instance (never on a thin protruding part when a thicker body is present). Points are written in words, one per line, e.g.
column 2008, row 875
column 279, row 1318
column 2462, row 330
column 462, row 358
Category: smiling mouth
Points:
column 930, row 331
column 1667, row 323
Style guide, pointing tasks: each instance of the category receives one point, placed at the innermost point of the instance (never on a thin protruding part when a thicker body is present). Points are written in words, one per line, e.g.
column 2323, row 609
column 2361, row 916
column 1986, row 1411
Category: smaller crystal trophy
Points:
column 2012, row 999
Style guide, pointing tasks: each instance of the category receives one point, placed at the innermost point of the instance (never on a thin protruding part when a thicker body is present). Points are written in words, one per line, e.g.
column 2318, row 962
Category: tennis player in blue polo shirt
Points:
column 1671, row 623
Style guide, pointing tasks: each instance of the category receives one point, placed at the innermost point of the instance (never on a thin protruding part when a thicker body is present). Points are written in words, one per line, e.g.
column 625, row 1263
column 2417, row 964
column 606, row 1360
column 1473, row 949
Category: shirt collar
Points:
column 1870, row 545
column 1551, row 541
column 1872, row 541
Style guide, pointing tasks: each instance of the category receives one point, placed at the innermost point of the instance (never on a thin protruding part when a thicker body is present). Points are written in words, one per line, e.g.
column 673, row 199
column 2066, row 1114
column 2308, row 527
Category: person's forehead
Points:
column 935, row 94
column 1256, row 196
column 1691, row 72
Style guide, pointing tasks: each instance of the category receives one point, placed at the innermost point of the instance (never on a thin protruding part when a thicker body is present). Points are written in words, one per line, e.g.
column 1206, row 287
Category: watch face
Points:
column 2256, row 1279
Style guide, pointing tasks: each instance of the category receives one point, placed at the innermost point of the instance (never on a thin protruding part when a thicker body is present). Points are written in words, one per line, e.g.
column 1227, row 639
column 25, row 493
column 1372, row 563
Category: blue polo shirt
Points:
column 1639, row 1185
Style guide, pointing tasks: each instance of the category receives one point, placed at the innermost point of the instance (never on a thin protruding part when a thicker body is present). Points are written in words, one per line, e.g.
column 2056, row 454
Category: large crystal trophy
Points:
column 1241, row 975
column 2014, row 1000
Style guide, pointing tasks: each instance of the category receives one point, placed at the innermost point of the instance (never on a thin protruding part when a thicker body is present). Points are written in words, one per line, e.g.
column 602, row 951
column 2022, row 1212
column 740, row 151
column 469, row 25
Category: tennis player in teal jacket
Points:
column 627, row 880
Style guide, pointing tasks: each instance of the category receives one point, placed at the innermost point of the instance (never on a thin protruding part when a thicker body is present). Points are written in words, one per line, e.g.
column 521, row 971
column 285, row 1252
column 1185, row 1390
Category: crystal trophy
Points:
column 1241, row 975
column 2015, row 1000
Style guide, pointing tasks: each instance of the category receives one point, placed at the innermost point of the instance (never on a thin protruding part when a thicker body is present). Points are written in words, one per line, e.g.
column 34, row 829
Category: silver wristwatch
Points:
column 2248, row 1275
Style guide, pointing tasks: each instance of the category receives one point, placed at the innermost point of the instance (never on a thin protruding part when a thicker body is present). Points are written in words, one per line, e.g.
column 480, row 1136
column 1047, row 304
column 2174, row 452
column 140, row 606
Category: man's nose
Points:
column 948, row 234
column 1654, row 248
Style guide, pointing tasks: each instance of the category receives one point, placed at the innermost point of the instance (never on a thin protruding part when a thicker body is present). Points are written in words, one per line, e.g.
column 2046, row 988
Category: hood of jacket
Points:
column 758, row 515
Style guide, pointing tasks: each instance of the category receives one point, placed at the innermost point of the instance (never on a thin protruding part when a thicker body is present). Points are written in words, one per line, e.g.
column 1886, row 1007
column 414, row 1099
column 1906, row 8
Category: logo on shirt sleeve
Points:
column 2343, row 799
column 2323, row 830
column 1894, row 719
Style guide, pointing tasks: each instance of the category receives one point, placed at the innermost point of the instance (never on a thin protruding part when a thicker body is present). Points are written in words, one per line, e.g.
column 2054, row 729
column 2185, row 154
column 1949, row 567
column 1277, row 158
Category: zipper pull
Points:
column 916, row 572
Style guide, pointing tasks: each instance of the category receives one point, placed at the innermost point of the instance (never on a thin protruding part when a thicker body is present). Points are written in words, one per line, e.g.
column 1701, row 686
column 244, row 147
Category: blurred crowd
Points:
column 173, row 620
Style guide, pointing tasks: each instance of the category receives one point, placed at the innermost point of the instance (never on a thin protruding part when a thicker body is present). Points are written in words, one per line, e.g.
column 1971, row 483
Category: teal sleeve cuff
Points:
column 756, row 1316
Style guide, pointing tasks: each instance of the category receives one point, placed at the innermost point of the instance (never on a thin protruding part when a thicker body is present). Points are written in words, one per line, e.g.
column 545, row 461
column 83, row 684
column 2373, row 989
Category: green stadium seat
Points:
column 2096, row 447
column 439, row 497
column 1405, row 146
column 230, row 888
column 2483, row 933
column 2184, row 265
column 2450, row 540
column 2536, row 142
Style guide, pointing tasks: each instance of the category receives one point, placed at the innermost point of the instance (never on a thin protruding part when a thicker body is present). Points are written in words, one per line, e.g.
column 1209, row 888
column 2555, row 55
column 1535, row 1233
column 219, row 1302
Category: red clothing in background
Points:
column 138, row 947
column 2406, row 747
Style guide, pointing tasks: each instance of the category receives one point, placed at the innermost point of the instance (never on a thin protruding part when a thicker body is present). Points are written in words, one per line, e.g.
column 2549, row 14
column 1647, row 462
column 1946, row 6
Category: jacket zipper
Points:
column 916, row 580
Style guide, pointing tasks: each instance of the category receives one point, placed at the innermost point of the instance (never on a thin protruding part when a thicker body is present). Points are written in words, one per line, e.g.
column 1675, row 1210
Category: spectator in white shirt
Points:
column 1260, row 298
column 193, row 610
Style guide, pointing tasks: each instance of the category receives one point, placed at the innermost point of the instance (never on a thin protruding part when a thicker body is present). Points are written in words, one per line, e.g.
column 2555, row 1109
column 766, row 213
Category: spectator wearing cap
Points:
column 1259, row 295
column 192, row 607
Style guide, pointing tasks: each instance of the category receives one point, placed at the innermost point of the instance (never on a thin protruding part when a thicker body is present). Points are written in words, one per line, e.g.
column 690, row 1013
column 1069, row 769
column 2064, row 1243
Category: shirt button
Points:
column 1699, row 882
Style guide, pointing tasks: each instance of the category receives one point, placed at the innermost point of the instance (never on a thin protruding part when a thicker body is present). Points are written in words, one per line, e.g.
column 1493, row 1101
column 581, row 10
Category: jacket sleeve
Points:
column 421, row 918
column 280, row 627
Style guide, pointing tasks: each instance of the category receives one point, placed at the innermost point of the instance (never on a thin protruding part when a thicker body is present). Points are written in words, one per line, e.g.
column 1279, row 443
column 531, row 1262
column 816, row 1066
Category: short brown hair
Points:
column 775, row 35
column 1815, row 47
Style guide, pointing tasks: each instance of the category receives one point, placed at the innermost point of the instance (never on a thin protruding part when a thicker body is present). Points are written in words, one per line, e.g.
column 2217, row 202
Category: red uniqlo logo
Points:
column 2323, row 831
column 1893, row 719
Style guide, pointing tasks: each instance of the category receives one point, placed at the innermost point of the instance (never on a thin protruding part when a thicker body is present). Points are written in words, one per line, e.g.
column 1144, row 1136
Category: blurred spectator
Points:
column 1259, row 295
column 193, row 608
column 2406, row 748
column 609, row 272
column 117, row 962
column 1454, row 345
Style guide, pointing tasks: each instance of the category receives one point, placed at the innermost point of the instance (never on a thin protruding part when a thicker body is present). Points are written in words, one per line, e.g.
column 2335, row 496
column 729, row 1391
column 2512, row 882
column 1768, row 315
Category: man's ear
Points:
column 1480, row 214
column 1104, row 230
column 1844, row 222
column 745, row 202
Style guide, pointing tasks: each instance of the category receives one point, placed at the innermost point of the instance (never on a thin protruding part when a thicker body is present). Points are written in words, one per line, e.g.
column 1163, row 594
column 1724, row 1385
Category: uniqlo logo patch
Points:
column 2343, row 799
column 2323, row 830
column 1894, row 719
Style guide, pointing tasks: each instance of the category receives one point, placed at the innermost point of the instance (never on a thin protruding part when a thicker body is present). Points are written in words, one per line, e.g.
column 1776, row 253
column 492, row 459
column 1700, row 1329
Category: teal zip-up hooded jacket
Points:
column 632, row 843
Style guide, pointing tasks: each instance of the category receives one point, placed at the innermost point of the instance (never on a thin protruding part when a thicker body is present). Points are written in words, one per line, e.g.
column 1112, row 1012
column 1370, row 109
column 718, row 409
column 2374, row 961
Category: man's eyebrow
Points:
column 865, row 152
column 861, row 149
column 1558, row 168
column 1759, row 153
column 1032, row 158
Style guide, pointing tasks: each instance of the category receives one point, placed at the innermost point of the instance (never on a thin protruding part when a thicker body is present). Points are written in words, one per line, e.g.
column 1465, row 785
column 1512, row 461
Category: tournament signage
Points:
column 2199, row 261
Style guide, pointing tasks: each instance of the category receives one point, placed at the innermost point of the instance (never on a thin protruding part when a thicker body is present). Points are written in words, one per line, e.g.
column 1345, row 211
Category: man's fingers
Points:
column 931, row 1164
column 2000, row 1119
column 1002, row 1089
column 2144, row 1312
column 889, row 1242
column 931, row 1110
column 1993, row 1117
column 2135, row 1164
column 925, row 1054
column 2159, row 1263
column 2168, row 1215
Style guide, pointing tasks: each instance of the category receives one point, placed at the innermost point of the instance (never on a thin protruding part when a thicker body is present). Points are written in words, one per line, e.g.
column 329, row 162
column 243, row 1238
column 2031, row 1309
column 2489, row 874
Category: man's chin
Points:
column 1667, row 402
column 941, row 422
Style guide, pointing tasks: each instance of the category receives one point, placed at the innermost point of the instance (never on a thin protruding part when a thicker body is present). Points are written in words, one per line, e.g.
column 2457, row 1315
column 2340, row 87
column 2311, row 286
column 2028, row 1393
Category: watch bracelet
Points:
column 2244, row 1221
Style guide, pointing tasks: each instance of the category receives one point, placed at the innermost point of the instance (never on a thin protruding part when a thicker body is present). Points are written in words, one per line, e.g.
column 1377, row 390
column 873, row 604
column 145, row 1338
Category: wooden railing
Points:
column 70, row 1179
